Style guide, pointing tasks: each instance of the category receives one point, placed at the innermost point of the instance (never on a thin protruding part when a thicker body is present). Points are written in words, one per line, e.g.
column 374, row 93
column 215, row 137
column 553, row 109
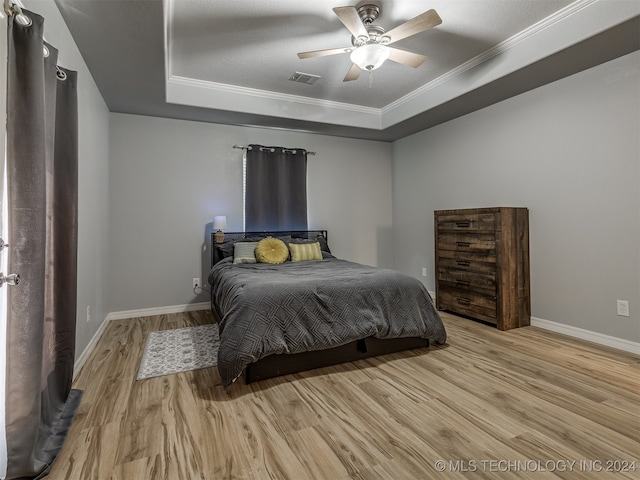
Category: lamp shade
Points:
column 219, row 222
column 370, row 57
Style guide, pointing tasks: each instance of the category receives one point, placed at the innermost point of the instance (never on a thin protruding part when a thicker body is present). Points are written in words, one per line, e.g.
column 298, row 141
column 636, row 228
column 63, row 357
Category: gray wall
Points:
column 168, row 179
column 570, row 152
column 93, row 174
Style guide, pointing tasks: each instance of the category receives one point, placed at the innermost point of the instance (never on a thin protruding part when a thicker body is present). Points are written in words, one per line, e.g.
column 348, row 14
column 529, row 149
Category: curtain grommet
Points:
column 23, row 20
column 61, row 74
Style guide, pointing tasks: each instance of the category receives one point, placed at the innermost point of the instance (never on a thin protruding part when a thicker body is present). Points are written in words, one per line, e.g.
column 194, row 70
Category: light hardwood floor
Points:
column 533, row 398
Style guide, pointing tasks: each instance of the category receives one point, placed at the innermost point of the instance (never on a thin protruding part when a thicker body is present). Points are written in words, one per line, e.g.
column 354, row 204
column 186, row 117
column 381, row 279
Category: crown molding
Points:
column 199, row 93
column 570, row 25
column 573, row 24
column 282, row 97
column 168, row 33
column 510, row 42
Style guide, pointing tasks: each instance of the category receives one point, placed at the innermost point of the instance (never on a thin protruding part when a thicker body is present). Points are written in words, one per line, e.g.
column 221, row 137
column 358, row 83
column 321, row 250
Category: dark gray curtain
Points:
column 276, row 189
column 42, row 185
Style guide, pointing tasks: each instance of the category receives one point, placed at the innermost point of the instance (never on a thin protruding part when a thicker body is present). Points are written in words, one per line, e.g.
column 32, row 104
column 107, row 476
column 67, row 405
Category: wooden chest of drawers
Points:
column 482, row 264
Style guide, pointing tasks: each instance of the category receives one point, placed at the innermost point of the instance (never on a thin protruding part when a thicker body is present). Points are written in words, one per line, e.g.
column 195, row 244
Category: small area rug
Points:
column 179, row 350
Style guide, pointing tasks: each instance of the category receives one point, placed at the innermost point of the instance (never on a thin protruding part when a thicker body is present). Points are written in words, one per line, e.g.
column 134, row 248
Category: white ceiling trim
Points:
column 568, row 26
column 285, row 97
column 492, row 52
column 588, row 18
column 202, row 93
column 167, row 15
column 219, row 96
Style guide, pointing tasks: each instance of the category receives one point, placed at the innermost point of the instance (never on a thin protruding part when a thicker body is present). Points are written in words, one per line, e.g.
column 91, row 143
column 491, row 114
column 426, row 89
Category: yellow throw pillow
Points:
column 305, row 251
column 271, row 250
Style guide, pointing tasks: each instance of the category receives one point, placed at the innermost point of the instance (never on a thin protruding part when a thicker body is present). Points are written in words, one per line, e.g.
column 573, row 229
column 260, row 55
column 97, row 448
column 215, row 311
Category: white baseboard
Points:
column 80, row 361
column 595, row 337
column 147, row 312
column 144, row 312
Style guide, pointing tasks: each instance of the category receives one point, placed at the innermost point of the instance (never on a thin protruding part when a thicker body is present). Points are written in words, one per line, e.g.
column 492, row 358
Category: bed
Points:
column 295, row 316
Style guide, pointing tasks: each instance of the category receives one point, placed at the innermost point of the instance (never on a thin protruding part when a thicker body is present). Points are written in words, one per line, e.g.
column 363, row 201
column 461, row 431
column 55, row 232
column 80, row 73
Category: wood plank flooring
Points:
column 524, row 403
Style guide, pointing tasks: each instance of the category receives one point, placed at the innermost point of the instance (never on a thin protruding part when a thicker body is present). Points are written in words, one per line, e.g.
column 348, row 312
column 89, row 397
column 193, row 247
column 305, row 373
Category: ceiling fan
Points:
column 370, row 42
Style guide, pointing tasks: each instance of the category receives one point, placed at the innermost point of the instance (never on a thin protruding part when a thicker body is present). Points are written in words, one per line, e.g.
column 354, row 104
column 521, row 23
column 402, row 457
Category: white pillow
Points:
column 244, row 252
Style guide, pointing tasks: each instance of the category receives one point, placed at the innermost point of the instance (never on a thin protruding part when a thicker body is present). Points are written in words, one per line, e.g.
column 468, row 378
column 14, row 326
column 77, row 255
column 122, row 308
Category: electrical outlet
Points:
column 88, row 313
column 424, row 271
column 623, row 308
column 196, row 282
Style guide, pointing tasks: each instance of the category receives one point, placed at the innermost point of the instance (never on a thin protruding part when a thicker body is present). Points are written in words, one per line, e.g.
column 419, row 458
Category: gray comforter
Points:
column 303, row 306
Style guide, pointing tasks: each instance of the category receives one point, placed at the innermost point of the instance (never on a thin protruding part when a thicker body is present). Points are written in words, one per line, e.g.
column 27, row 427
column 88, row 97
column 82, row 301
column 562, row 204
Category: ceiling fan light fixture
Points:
column 369, row 57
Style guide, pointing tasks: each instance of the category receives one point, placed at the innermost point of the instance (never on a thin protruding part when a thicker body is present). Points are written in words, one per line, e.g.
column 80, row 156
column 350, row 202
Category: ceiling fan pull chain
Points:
column 370, row 78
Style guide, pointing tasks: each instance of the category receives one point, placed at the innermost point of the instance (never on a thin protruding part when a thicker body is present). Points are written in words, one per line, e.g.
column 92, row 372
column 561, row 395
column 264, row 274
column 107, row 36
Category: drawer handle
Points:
column 463, row 224
column 463, row 263
column 463, row 244
column 463, row 300
column 464, row 283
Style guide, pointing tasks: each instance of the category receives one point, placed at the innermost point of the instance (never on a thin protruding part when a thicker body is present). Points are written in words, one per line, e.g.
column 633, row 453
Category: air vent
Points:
column 307, row 78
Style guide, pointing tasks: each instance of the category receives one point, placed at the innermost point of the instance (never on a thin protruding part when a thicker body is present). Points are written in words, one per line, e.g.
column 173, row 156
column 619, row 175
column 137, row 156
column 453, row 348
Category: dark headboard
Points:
column 232, row 237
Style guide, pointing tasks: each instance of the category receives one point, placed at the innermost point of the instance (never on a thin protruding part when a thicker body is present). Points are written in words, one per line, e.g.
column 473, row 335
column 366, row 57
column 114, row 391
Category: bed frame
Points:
column 284, row 364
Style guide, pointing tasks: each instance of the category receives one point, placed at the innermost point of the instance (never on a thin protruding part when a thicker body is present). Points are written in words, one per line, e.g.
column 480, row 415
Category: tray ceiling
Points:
column 230, row 61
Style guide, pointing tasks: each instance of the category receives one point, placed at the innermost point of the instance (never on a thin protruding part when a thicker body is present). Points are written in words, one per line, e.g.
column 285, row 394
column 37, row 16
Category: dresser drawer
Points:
column 483, row 262
column 473, row 222
column 484, row 243
column 483, row 283
column 473, row 304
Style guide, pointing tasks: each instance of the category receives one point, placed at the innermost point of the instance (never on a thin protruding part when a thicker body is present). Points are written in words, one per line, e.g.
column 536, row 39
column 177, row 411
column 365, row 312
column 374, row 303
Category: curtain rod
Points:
column 11, row 6
column 15, row 7
column 242, row 147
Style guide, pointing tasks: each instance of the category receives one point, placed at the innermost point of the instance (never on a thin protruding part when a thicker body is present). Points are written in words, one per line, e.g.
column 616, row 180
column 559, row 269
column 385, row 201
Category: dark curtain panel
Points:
column 276, row 190
column 42, row 185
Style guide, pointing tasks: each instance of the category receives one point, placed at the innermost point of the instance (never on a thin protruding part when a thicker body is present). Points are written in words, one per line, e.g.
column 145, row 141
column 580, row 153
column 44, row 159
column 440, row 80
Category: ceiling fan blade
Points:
column 418, row 24
column 324, row 53
column 350, row 18
column 353, row 73
column 406, row 58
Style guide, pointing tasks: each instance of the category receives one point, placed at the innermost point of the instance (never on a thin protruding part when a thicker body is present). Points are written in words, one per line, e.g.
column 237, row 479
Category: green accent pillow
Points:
column 321, row 239
column 305, row 251
column 271, row 250
column 244, row 252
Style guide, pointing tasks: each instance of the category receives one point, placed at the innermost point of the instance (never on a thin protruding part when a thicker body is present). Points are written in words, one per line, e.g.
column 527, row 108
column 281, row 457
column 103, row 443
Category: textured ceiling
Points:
column 254, row 44
column 229, row 61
